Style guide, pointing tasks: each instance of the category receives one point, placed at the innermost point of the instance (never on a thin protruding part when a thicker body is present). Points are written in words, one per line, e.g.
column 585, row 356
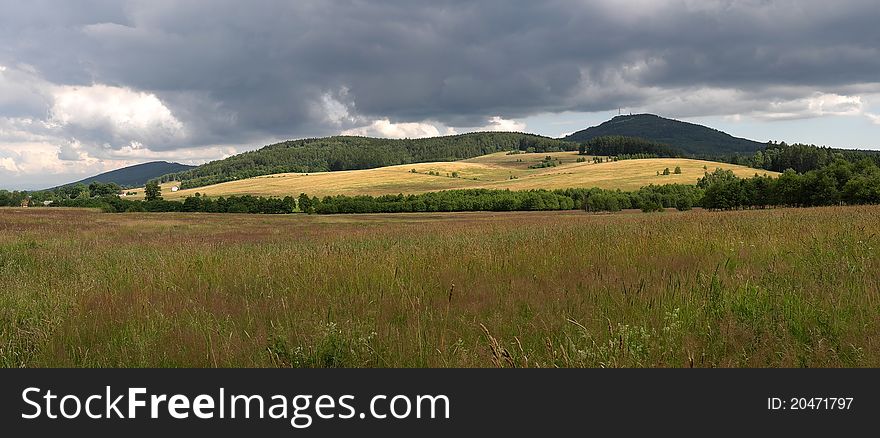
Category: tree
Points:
column 666, row 171
column 152, row 192
column 789, row 189
column 82, row 192
column 677, row 170
column 650, row 205
column 305, row 204
column 684, row 203
column 719, row 175
column 758, row 160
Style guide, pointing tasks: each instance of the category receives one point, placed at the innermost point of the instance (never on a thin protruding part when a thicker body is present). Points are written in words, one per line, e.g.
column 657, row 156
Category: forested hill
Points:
column 353, row 153
column 134, row 176
column 690, row 138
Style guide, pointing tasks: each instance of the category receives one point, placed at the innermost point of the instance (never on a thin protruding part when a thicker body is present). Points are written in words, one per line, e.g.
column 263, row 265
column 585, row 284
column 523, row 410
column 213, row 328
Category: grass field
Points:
column 766, row 288
column 490, row 171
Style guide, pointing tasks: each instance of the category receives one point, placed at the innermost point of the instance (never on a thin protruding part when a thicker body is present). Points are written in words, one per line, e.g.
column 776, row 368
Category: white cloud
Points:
column 124, row 114
column 35, row 158
column 8, row 164
column 874, row 118
column 384, row 128
column 136, row 152
column 72, row 151
column 338, row 108
column 767, row 104
column 63, row 133
column 817, row 105
column 498, row 123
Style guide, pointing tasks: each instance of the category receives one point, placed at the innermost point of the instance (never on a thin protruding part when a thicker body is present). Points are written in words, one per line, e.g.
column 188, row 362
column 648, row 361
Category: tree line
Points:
column 58, row 194
column 841, row 182
column 649, row 198
column 192, row 204
column 619, row 146
column 801, row 158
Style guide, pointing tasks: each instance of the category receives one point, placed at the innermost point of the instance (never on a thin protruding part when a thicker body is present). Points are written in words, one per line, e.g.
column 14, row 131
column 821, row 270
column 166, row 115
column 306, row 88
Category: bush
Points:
column 684, row 204
column 651, row 205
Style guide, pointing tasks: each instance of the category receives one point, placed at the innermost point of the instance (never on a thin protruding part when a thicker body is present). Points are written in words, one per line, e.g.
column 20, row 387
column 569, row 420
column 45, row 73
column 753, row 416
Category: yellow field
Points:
column 495, row 171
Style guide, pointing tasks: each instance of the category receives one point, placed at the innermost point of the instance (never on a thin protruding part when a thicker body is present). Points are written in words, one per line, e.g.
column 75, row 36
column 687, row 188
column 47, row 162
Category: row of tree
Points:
column 12, row 199
column 626, row 146
column 193, row 204
column 76, row 191
column 841, row 182
column 801, row 158
column 452, row 200
column 650, row 198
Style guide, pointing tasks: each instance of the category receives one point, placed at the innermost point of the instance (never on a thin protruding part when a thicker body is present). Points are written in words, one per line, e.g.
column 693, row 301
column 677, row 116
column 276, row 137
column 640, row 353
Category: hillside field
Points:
column 494, row 171
column 757, row 288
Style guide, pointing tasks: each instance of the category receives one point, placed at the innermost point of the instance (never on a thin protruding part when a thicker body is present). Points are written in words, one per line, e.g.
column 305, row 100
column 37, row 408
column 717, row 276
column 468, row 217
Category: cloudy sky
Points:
column 92, row 85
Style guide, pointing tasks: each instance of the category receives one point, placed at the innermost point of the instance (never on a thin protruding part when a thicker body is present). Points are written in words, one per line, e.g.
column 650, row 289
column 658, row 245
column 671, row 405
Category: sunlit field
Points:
column 762, row 288
column 494, row 171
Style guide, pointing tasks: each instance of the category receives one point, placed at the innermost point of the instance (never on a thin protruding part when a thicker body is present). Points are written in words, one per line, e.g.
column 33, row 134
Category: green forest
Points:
column 619, row 146
column 801, row 158
column 841, row 182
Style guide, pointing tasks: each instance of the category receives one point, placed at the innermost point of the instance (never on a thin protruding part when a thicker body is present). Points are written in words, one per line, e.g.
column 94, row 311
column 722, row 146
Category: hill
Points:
column 493, row 171
column 356, row 153
column 689, row 138
column 135, row 176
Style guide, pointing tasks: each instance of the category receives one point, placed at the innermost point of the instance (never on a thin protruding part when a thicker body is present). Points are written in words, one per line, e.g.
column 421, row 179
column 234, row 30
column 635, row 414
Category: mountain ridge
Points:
column 133, row 176
column 338, row 153
column 689, row 138
column 355, row 152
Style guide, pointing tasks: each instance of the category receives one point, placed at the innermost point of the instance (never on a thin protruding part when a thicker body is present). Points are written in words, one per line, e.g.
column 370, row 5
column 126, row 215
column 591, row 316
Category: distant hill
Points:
column 495, row 171
column 357, row 153
column 137, row 175
column 686, row 137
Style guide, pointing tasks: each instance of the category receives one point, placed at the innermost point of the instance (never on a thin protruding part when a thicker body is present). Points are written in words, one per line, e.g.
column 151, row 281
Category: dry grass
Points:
column 491, row 171
column 750, row 288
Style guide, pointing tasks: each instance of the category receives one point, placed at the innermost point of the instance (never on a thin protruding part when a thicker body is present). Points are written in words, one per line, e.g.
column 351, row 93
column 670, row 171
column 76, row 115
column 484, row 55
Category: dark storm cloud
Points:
column 234, row 71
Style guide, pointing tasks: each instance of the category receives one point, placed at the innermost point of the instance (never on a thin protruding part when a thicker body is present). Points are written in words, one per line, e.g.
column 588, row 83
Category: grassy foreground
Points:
column 569, row 289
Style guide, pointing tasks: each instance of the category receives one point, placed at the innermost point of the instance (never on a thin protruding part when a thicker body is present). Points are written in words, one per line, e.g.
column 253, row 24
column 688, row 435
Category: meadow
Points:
column 494, row 171
column 756, row 288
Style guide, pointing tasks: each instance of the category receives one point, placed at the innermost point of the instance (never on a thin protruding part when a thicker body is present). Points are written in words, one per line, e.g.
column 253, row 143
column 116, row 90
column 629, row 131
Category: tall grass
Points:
column 566, row 289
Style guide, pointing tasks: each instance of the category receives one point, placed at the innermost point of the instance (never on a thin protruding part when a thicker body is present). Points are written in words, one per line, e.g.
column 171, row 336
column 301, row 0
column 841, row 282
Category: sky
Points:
column 93, row 85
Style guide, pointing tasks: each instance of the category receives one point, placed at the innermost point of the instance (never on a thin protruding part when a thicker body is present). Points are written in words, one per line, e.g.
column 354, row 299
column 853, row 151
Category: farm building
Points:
column 175, row 188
